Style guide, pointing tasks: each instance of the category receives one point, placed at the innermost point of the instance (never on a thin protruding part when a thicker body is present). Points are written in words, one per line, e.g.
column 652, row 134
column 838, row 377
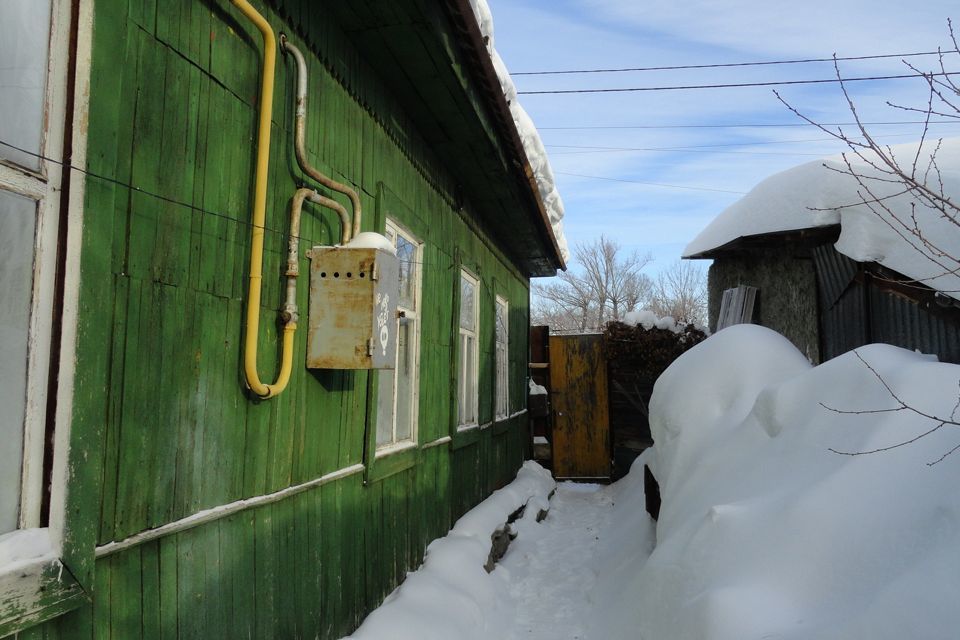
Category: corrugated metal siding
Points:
column 852, row 315
column 901, row 322
column 835, row 272
column 843, row 325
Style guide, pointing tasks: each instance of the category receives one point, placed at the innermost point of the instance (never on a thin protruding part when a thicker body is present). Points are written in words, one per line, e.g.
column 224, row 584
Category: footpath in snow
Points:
column 799, row 503
column 549, row 583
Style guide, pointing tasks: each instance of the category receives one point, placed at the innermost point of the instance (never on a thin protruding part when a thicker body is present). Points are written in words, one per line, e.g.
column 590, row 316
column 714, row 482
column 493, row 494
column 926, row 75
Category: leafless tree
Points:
column 605, row 286
column 680, row 291
column 881, row 176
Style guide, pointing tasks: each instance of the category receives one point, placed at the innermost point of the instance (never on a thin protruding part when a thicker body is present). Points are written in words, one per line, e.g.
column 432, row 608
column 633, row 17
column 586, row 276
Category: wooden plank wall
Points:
column 173, row 113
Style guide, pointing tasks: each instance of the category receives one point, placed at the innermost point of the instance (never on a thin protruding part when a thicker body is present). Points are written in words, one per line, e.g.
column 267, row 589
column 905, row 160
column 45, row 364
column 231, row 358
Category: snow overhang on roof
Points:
column 517, row 124
column 822, row 193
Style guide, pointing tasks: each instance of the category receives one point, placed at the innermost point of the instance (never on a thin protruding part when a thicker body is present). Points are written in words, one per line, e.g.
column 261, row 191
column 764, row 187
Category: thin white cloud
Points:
column 534, row 35
column 811, row 27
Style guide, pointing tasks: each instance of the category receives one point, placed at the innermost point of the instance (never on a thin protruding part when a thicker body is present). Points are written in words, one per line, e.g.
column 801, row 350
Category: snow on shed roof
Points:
column 822, row 193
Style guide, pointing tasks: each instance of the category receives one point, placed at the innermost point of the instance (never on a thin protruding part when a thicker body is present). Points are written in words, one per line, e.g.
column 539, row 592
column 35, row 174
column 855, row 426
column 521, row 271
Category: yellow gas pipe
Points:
column 259, row 216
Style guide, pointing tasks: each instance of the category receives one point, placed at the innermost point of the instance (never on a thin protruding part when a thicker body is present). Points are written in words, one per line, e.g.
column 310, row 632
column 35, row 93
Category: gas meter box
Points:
column 353, row 308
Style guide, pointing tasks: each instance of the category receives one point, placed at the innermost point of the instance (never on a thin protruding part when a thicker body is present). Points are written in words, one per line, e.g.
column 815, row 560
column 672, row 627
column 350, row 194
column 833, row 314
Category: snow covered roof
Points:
column 822, row 193
column 529, row 136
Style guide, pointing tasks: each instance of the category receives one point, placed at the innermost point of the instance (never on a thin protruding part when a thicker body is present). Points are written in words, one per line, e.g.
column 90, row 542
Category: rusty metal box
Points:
column 353, row 308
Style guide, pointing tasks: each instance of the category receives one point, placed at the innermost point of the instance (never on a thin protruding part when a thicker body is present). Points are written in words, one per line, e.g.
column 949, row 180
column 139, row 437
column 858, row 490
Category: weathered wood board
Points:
column 581, row 420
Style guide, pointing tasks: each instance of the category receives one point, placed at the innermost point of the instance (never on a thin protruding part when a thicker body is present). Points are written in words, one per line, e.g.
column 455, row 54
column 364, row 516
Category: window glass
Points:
column 405, row 379
column 409, row 269
column 467, row 384
column 502, row 370
column 501, row 321
column 397, row 393
column 385, row 408
column 467, row 303
column 17, row 222
column 24, row 35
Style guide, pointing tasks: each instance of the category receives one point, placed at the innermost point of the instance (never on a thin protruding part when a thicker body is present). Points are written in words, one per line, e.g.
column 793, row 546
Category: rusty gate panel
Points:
column 581, row 419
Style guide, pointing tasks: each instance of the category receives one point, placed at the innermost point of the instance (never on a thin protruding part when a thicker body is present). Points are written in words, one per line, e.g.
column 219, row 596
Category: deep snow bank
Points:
column 451, row 595
column 766, row 533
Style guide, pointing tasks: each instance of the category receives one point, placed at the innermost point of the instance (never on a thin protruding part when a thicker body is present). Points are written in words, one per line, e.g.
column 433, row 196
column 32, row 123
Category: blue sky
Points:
column 540, row 35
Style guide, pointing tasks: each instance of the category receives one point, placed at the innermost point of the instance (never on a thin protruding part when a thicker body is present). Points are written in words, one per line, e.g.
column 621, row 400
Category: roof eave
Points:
column 476, row 49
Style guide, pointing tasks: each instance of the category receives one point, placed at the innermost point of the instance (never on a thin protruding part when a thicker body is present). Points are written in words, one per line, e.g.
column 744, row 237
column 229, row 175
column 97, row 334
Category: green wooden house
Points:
column 155, row 482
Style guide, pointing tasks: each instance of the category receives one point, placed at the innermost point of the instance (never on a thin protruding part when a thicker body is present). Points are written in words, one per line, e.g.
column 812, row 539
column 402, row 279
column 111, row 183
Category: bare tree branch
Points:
column 902, row 406
column 681, row 293
column 607, row 285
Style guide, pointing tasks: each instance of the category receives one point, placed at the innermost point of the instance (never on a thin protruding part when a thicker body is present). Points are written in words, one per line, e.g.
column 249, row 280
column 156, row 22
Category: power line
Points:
column 735, row 85
column 743, row 125
column 711, row 148
column 728, row 64
column 700, row 146
column 179, row 203
column 687, row 150
column 651, row 184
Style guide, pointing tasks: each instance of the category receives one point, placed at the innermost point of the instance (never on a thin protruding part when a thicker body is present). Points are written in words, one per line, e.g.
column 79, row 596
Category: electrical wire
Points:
column 744, row 125
column 157, row 196
column 651, row 184
column 687, row 150
column 730, row 64
column 179, row 203
column 710, row 148
column 736, row 85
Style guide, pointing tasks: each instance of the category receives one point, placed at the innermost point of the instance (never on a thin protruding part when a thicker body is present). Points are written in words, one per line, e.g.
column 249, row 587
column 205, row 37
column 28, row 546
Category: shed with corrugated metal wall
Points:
column 827, row 303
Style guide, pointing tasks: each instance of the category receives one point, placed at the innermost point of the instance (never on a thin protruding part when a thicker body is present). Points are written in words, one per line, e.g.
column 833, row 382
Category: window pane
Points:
column 467, row 302
column 462, row 386
column 385, row 407
column 407, row 254
column 501, row 322
column 24, row 34
column 17, row 220
column 397, row 396
column 470, row 386
column 502, row 374
column 405, row 377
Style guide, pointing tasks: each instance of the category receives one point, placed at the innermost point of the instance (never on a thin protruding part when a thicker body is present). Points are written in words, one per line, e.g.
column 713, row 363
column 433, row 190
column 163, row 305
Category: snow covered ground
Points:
column 769, row 528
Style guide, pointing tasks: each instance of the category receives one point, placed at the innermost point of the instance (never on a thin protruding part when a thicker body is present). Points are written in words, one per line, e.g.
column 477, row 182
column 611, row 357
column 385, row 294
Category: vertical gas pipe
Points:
column 259, row 216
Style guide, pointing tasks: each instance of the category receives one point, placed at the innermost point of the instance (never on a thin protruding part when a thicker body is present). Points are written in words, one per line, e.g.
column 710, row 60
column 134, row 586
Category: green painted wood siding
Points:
column 160, row 391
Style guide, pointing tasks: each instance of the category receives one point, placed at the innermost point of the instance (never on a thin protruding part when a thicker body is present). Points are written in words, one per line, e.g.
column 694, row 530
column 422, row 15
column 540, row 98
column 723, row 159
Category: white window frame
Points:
column 414, row 315
column 468, row 390
column 40, row 574
column 44, row 187
column 501, row 367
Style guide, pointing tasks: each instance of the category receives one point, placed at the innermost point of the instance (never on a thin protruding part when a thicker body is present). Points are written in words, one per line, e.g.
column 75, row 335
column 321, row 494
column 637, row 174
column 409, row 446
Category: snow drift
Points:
column 451, row 595
column 775, row 522
column 768, row 530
